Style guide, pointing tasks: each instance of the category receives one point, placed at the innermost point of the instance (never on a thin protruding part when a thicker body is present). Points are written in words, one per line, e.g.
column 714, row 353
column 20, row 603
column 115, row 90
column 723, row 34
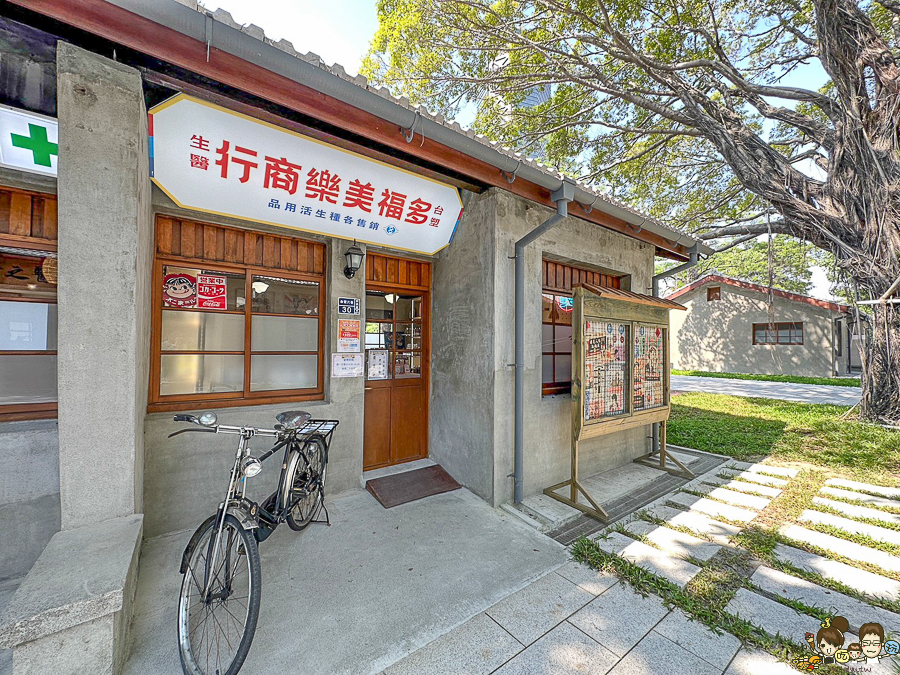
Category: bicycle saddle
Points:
column 293, row 419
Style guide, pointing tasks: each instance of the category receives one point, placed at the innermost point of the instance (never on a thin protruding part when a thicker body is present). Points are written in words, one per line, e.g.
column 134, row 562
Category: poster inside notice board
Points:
column 605, row 368
column 649, row 351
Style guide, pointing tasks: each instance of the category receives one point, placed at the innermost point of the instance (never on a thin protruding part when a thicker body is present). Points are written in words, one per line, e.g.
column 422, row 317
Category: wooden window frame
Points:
column 556, row 387
column 28, row 220
column 176, row 402
column 777, row 327
column 558, row 280
column 713, row 293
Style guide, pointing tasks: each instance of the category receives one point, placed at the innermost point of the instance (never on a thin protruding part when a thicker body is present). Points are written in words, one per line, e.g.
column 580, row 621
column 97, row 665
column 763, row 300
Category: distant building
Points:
column 728, row 328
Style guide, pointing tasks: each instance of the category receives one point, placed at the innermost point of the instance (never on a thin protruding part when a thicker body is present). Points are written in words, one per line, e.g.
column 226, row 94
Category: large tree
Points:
column 698, row 111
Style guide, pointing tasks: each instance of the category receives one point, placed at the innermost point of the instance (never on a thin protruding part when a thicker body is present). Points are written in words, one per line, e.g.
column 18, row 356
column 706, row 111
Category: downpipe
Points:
column 693, row 259
column 562, row 197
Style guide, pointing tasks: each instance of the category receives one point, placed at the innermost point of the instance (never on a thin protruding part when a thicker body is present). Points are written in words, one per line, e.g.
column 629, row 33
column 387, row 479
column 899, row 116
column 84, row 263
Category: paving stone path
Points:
column 579, row 620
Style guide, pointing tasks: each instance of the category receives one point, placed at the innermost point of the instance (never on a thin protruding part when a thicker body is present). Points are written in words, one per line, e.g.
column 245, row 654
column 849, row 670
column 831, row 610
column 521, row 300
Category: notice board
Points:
column 620, row 354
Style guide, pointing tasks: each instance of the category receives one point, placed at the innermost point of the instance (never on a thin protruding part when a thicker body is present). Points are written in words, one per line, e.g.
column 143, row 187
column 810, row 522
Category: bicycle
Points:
column 218, row 605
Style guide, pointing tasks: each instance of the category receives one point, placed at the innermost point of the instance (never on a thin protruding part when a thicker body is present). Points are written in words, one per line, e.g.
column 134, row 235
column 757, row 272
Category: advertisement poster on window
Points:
column 180, row 290
column 346, row 365
column 211, row 292
column 378, row 364
column 348, row 335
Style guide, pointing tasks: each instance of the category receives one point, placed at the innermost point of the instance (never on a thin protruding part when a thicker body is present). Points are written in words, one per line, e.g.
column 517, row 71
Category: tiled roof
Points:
column 715, row 277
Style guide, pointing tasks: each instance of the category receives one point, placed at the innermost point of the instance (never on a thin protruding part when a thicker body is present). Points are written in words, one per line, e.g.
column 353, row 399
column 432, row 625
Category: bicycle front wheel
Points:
column 219, row 602
column 307, row 486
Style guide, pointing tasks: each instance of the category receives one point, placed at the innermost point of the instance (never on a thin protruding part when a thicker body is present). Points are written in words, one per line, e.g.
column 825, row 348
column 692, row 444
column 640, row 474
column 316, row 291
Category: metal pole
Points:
column 692, row 260
column 562, row 197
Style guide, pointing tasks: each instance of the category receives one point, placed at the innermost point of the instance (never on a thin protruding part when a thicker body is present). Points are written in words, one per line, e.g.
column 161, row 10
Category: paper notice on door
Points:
column 346, row 365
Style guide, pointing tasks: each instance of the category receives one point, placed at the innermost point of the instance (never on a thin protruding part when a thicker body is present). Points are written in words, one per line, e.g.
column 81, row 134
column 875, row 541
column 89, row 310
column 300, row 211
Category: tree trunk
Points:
column 881, row 368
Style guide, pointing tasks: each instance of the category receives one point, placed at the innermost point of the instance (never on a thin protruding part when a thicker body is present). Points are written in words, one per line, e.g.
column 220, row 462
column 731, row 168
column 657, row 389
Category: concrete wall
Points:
column 473, row 348
column 717, row 336
column 186, row 476
column 461, row 424
column 105, row 241
column 29, row 493
column 548, row 419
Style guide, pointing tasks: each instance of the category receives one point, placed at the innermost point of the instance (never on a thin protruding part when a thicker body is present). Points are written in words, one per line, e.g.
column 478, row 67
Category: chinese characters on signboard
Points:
column 212, row 159
column 606, row 369
column 348, row 335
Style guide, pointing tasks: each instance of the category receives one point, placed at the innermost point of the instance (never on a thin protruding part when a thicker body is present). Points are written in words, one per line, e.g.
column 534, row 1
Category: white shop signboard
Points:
column 208, row 158
column 28, row 141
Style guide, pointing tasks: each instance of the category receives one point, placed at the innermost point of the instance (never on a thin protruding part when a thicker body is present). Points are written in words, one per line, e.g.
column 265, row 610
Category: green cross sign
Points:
column 37, row 142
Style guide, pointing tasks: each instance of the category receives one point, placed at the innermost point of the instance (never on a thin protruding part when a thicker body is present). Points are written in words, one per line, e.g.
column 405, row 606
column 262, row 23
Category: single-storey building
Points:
column 181, row 205
column 735, row 326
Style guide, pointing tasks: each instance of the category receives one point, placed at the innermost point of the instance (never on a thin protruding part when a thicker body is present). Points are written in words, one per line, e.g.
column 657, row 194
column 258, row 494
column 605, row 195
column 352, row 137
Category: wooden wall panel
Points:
column 217, row 243
column 561, row 277
column 398, row 271
column 27, row 216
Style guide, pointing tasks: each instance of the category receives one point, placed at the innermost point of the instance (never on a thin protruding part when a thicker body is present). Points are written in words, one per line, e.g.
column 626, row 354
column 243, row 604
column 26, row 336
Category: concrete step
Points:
column 712, row 508
column 794, row 588
column 854, row 511
column 852, row 526
column 842, row 547
column 772, row 617
column 868, row 583
column 858, row 497
column 674, row 542
column 524, row 517
column 739, row 498
column 698, row 523
column 764, row 468
column 751, row 477
column 880, row 490
column 551, row 513
column 744, row 486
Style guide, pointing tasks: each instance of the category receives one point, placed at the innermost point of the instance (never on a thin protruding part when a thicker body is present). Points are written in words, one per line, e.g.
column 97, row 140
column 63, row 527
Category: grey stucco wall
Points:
column 717, row 336
column 548, row 419
column 185, row 477
column 104, row 277
column 473, row 347
column 29, row 493
column 461, row 424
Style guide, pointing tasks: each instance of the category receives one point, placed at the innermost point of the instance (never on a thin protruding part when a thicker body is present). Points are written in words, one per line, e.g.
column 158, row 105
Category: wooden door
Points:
column 397, row 373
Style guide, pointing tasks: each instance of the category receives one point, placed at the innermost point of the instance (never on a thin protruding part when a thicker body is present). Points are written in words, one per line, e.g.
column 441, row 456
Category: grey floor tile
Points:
column 537, row 608
column 563, row 651
column 715, row 649
column 851, row 526
column 858, row 497
column 890, row 492
column 865, row 582
column 619, row 618
column 844, row 547
column 655, row 655
column 855, row 511
column 585, row 577
column 477, row 647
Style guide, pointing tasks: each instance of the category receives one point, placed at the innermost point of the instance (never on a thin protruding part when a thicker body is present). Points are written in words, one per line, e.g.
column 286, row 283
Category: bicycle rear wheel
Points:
column 307, row 485
column 215, row 630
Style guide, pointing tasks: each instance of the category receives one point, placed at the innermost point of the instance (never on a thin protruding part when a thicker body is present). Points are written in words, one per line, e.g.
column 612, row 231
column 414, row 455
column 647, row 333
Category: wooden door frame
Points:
column 425, row 291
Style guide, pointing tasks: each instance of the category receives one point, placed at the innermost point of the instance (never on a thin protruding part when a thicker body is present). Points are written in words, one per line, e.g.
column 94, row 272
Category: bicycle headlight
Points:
column 250, row 466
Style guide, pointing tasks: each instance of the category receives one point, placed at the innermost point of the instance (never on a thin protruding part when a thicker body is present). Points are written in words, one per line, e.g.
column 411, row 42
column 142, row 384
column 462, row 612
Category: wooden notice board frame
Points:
column 631, row 310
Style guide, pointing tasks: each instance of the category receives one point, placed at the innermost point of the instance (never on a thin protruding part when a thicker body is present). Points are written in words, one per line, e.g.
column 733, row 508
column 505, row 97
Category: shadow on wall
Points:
column 724, row 343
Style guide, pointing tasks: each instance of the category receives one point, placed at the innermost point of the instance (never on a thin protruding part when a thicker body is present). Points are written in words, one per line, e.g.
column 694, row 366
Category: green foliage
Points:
column 753, row 428
column 791, row 262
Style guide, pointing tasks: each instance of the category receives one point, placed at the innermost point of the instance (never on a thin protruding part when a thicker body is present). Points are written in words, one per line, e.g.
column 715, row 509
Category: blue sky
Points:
column 340, row 31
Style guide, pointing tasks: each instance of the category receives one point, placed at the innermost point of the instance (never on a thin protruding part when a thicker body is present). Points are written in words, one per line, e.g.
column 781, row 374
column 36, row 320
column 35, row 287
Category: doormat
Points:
column 409, row 486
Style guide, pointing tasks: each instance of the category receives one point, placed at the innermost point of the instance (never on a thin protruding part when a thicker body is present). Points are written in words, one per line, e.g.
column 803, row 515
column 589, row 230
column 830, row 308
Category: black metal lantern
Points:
column 354, row 256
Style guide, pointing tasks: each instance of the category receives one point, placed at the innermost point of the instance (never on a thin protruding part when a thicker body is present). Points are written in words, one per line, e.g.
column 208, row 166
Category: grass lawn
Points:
column 752, row 429
column 831, row 381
